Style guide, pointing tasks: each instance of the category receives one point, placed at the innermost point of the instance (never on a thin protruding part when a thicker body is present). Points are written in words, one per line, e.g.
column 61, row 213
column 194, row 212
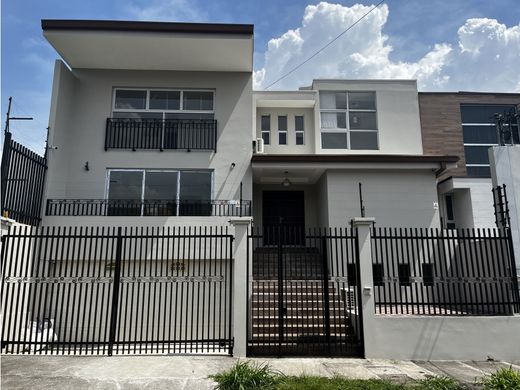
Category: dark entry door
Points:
column 284, row 209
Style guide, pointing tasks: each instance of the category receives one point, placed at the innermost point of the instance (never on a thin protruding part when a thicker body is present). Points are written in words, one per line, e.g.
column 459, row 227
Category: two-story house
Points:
column 157, row 123
column 149, row 120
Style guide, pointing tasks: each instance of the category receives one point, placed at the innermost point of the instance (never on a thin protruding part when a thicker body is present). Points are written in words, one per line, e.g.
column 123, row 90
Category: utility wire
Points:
column 324, row 47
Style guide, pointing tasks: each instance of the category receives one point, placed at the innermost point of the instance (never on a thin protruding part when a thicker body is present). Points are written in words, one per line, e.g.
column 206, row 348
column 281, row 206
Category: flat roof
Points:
column 144, row 26
column 469, row 93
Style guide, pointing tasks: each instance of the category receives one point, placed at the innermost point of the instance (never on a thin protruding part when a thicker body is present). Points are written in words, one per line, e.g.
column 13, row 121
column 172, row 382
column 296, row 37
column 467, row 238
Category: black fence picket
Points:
column 103, row 291
column 455, row 272
column 22, row 179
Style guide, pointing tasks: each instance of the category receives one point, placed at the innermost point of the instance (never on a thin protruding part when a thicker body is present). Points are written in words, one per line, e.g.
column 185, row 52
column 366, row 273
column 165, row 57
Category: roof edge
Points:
column 348, row 158
column 145, row 26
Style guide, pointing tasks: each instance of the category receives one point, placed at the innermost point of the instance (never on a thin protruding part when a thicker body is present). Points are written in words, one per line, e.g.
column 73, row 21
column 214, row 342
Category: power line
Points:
column 327, row 45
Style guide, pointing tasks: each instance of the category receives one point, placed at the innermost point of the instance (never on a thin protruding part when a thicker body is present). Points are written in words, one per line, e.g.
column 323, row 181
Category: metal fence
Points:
column 129, row 207
column 444, row 272
column 107, row 291
column 22, row 180
column 162, row 134
column 305, row 292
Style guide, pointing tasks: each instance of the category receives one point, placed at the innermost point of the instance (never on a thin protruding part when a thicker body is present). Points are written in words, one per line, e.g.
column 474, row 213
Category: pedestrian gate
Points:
column 304, row 292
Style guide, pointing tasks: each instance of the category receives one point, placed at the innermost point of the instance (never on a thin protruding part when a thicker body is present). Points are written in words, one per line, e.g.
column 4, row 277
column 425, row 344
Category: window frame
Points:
column 163, row 111
column 286, row 131
column 262, row 131
column 296, row 132
column 143, row 181
column 346, row 111
column 480, row 124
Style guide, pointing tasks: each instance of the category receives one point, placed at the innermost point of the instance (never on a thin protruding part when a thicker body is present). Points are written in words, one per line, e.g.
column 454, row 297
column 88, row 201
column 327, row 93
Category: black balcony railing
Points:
column 193, row 134
column 157, row 208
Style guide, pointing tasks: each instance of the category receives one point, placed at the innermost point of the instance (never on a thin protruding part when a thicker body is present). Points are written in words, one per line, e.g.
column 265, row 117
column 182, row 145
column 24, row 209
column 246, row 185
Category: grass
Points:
column 503, row 379
column 247, row 376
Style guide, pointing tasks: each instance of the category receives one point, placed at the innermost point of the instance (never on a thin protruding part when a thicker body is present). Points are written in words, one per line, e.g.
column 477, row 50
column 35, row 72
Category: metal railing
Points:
column 117, row 290
column 161, row 208
column 444, row 272
column 162, row 134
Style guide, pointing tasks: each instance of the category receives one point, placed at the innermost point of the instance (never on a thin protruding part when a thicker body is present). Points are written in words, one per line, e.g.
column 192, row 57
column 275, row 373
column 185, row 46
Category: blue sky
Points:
column 407, row 38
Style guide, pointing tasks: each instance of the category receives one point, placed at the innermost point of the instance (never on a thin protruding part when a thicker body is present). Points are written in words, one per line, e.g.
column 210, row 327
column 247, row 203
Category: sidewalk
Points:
column 191, row 372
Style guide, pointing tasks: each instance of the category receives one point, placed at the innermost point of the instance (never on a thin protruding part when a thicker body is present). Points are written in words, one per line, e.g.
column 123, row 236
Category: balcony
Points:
column 161, row 134
column 147, row 208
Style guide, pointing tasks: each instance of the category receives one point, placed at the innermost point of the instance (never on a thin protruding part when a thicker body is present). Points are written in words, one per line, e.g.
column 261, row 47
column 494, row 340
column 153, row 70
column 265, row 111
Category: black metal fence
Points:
column 305, row 293
column 444, row 272
column 22, row 180
column 128, row 207
column 501, row 207
column 162, row 134
column 120, row 290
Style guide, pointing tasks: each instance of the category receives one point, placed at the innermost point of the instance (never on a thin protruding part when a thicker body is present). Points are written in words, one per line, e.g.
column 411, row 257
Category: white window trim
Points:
column 147, row 109
column 299, row 131
column 262, row 130
column 143, row 181
column 286, row 131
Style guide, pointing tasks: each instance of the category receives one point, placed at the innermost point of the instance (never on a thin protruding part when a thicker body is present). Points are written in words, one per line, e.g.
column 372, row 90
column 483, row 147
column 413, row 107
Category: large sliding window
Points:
column 479, row 133
column 163, row 104
column 348, row 120
column 159, row 192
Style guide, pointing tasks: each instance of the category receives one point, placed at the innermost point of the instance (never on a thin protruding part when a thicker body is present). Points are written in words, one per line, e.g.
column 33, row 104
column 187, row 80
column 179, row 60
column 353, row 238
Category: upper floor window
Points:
column 479, row 133
column 299, row 128
column 163, row 104
column 266, row 128
column 282, row 130
column 348, row 120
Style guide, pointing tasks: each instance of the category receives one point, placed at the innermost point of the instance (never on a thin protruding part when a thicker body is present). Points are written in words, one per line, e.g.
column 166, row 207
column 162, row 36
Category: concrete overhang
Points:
column 96, row 44
column 285, row 99
column 307, row 169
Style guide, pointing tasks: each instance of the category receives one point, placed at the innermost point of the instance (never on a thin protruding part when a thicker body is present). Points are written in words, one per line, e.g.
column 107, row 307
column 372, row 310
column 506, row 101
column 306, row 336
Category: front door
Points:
column 286, row 210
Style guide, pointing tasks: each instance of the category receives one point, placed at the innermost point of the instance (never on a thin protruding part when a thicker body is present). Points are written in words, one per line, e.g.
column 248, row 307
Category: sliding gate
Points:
column 304, row 292
column 104, row 291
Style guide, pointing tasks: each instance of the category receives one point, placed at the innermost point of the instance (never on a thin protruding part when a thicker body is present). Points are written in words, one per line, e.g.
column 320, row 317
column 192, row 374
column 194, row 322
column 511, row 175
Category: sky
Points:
column 447, row 45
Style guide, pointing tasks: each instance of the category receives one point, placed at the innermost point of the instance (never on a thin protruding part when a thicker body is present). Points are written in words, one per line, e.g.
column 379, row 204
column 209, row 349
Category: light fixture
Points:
column 286, row 182
column 233, row 165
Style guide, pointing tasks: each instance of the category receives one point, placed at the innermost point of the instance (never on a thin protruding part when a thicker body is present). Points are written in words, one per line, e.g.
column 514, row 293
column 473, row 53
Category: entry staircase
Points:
column 305, row 321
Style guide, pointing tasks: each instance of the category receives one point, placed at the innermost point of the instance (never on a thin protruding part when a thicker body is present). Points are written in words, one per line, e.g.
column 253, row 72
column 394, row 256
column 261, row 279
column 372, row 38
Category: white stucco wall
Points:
column 397, row 108
column 505, row 163
column 444, row 338
column 395, row 198
column 82, row 101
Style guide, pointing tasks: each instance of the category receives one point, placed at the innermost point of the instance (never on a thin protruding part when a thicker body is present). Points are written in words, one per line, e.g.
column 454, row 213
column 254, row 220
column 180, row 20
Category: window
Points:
column 404, row 274
column 282, row 130
column 348, row 120
column 479, row 133
column 378, row 274
column 450, row 219
column 163, row 104
column 266, row 129
column 159, row 192
column 299, row 128
column 427, row 274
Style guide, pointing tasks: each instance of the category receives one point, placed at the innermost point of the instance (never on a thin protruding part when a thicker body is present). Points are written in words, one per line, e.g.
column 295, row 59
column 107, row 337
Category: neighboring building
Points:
column 159, row 120
column 463, row 124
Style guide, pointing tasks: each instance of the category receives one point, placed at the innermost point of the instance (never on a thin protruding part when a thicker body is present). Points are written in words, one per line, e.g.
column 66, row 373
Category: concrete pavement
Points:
column 191, row 372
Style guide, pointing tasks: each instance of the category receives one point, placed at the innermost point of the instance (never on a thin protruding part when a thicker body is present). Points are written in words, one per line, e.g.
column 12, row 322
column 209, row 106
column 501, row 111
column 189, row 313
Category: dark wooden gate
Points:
column 305, row 299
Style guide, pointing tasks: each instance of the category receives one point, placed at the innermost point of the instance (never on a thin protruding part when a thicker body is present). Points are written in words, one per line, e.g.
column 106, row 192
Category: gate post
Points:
column 366, row 279
column 240, row 281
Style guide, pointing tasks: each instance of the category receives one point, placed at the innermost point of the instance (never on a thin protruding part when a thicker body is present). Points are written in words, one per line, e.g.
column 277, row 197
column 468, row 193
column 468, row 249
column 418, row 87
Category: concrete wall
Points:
column 397, row 108
column 82, row 101
column 291, row 147
column 394, row 197
column 505, row 163
column 444, row 338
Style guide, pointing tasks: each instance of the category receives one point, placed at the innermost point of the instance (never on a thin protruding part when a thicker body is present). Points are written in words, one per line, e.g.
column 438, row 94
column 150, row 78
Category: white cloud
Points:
column 486, row 58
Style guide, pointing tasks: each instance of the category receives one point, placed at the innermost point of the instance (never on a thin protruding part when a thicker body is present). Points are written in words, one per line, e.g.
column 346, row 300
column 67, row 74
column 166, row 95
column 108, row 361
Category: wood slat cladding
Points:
column 441, row 126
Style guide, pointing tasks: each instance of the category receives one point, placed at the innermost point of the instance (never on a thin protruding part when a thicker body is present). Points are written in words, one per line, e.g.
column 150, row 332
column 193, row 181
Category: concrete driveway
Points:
column 191, row 372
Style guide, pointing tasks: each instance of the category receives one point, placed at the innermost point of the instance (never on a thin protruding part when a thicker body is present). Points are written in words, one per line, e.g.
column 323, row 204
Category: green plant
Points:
column 438, row 383
column 503, row 379
column 336, row 383
column 246, row 376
